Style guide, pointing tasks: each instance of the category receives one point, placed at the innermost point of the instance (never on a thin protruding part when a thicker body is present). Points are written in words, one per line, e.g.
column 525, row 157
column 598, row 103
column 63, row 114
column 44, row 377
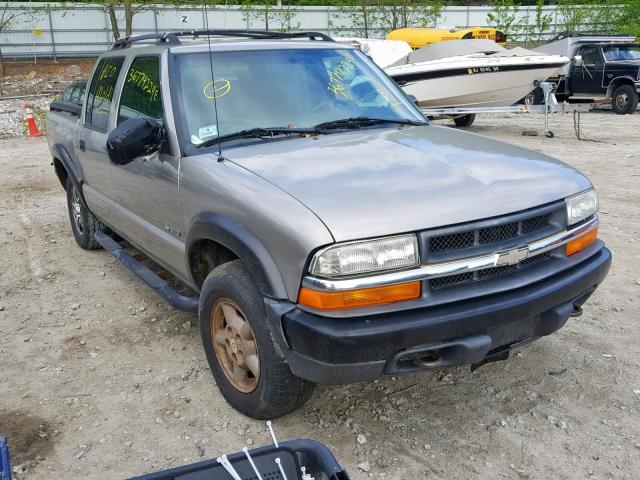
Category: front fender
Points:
column 244, row 244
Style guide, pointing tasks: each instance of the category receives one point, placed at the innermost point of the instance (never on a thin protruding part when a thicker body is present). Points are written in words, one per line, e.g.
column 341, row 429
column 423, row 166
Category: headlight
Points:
column 368, row 256
column 581, row 206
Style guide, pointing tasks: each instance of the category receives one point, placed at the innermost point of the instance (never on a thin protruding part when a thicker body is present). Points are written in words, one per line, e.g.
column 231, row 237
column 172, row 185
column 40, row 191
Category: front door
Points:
column 587, row 78
column 146, row 189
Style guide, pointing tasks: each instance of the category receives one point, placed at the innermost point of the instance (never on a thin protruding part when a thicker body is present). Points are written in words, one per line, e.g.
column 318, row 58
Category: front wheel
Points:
column 248, row 367
column 624, row 100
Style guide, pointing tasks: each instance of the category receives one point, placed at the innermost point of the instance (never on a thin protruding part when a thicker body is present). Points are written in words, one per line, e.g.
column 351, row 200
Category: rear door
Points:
column 588, row 77
column 91, row 143
column 146, row 189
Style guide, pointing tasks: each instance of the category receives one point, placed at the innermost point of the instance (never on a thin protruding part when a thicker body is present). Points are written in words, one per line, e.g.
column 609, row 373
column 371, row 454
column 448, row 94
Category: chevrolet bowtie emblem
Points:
column 511, row 257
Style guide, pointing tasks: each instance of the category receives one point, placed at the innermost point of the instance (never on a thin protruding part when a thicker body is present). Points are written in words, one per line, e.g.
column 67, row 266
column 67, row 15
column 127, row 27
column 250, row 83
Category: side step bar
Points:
column 162, row 288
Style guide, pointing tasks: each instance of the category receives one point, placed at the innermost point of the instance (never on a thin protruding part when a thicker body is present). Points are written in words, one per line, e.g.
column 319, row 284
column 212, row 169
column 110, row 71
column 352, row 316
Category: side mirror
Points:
column 577, row 61
column 134, row 138
column 413, row 99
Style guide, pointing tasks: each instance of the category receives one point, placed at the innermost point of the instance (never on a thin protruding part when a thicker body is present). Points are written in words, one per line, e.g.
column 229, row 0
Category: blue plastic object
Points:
column 5, row 463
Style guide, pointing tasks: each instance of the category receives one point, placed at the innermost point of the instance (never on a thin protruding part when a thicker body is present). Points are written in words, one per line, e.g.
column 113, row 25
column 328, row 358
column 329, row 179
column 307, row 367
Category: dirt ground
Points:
column 100, row 379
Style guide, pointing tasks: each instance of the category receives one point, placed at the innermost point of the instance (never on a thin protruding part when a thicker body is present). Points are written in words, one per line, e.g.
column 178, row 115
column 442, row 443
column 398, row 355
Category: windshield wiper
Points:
column 359, row 122
column 255, row 133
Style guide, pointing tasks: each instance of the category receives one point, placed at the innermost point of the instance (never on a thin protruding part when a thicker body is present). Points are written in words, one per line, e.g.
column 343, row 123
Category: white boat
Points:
column 472, row 73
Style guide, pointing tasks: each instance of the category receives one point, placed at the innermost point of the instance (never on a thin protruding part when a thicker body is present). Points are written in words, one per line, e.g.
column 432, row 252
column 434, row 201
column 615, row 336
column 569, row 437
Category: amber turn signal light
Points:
column 580, row 243
column 364, row 297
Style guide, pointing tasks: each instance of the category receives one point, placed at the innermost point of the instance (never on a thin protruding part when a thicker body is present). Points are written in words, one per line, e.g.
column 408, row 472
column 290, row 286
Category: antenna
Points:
column 213, row 83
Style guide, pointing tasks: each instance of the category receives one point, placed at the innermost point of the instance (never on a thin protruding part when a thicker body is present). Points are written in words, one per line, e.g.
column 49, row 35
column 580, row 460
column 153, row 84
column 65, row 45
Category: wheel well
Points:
column 61, row 172
column 205, row 255
column 616, row 82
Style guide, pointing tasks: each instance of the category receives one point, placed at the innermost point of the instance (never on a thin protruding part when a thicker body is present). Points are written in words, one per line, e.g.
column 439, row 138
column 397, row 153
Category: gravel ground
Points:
column 100, row 378
column 12, row 116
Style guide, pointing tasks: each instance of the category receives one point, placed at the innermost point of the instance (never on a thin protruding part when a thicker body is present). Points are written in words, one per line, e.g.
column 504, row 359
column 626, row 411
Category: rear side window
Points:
column 101, row 92
column 141, row 91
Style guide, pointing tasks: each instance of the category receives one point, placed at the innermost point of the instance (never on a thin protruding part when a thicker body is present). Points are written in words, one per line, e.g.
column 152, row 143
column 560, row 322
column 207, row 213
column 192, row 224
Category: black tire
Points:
column 83, row 224
column 465, row 121
column 277, row 391
column 624, row 100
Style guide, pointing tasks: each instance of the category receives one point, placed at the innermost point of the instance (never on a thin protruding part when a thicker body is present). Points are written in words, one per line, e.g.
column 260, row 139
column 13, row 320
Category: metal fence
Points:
column 49, row 29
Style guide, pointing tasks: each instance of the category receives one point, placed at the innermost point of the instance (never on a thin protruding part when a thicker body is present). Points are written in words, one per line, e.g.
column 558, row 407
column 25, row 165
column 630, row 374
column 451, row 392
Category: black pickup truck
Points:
column 601, row 67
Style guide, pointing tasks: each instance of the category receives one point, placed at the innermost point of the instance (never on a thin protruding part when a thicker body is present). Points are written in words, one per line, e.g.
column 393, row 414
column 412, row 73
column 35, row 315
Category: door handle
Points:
column 83, row 146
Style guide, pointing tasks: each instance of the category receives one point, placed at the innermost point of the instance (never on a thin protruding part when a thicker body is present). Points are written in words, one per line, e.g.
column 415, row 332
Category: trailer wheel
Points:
column 624, row 100
column 465, row 120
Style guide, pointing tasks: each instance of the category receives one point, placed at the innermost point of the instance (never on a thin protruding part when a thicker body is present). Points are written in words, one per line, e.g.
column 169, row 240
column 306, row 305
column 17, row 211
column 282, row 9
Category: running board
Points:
column 161, row 287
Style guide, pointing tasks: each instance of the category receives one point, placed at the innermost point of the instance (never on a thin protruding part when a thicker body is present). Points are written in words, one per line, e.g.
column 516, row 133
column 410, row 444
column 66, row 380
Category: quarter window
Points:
column 141, row 91
column 101, row 91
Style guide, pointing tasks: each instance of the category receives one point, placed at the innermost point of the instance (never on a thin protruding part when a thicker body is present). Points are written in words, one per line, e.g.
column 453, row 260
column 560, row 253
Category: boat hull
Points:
column 474, row 88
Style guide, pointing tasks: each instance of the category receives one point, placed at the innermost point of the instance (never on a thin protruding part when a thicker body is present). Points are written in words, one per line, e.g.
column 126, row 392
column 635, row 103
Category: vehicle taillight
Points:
column 501, row 37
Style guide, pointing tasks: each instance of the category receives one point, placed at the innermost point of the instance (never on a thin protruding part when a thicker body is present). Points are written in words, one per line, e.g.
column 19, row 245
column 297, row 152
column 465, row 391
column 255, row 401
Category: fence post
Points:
column 328, row 20
column 106, row 26
column 155, row 20
column 53, row 40
column 468, row 17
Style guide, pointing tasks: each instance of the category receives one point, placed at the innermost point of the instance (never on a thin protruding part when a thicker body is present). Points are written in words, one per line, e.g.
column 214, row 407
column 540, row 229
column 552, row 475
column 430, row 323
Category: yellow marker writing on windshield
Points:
column 217, row 89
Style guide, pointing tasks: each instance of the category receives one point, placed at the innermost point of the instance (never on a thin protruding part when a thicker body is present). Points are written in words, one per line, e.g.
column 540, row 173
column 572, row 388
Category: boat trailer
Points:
column 464, row 117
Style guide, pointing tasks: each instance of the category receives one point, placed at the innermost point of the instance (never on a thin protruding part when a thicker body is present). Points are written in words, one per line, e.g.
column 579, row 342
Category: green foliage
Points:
column 628, row 18
column 505, row 17
column 361, row 17
column 393, row 14
column 541, row 23
column 271, row 15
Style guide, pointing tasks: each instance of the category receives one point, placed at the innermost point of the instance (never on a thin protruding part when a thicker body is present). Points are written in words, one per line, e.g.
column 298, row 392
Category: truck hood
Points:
column 383, row 181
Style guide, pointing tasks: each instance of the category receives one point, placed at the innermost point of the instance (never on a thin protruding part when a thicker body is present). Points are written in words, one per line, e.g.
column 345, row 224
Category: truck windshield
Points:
column 615, row 53
column 284, row 88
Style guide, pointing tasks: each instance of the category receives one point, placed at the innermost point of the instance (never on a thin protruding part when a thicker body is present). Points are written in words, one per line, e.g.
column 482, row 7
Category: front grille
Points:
column 484, row 236
column 487, row 273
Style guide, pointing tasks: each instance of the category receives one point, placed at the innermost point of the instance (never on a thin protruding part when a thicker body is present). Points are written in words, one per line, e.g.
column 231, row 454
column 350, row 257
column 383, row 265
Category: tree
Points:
column 360, row 15
column 271, row 14
column 10, row 14
column 393, row 14
column 130, row 10
column 628, row 20
column 573, row 15
column 540, row 25
column 505, row 17
column 603, row 15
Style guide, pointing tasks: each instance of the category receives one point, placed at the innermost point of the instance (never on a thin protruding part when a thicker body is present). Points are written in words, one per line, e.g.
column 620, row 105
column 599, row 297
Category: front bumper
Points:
column 347, row 350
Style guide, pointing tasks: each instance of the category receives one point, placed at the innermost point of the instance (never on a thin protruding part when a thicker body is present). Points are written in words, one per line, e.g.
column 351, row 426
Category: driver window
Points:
column 141, row 96
column 591, row 56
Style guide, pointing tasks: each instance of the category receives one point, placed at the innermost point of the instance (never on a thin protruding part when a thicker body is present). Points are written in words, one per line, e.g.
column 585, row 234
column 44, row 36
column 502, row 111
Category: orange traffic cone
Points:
column 31, row 123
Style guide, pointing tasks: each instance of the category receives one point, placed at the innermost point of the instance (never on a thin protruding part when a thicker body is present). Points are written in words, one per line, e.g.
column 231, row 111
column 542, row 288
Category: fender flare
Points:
column 617, row 81
column 65, row 158
column 244, row 244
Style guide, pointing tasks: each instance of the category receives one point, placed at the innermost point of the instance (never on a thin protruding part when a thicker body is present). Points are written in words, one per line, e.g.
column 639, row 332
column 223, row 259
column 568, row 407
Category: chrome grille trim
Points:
column 455, row 267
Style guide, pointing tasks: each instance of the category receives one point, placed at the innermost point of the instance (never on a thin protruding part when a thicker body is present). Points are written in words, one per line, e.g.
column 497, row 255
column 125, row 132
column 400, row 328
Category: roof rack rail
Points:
column 173, row 38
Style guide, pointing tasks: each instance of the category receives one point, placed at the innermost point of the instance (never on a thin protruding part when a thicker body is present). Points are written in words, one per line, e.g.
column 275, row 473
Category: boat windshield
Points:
column 280, row 89
column 622, row 52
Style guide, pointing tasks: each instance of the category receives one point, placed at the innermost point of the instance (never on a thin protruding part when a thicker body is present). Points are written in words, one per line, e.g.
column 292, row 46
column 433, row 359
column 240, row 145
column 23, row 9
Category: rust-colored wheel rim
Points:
column 235, row 345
